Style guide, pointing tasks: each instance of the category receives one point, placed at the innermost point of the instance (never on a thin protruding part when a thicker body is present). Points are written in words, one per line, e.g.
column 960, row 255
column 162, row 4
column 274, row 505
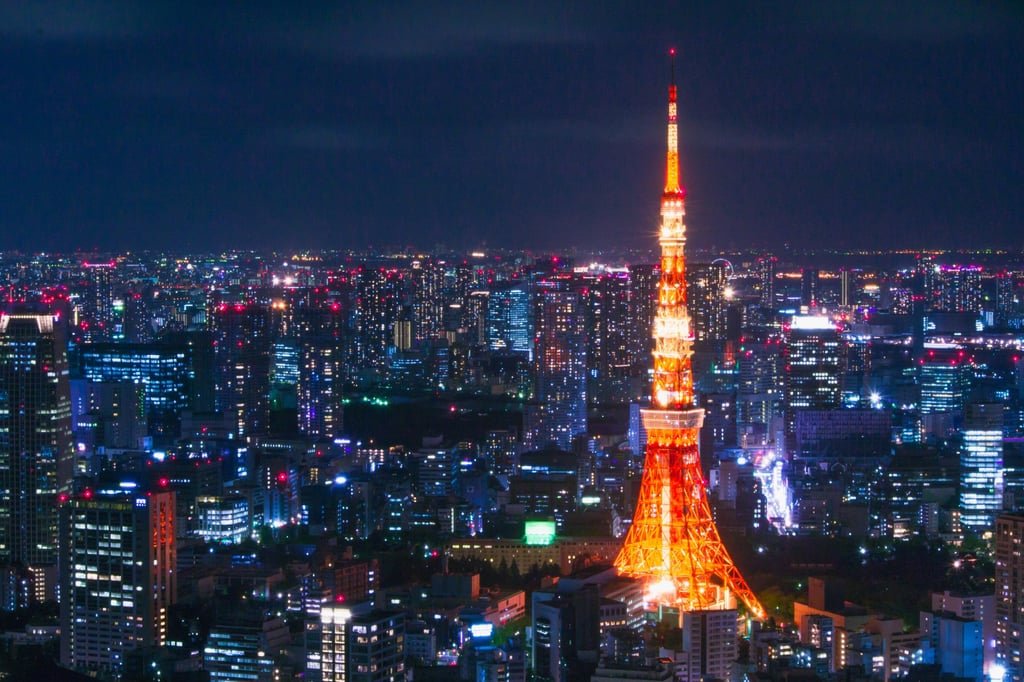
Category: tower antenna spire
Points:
column 672, row 186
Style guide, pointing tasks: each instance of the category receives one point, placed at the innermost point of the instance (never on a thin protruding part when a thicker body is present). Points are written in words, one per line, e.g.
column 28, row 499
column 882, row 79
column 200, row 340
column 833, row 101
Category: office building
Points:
column 943, row 377
column 166, row 371
column 813, row 368
column 981, row 466
column 118, row 577
column 509, row 323
column 224, row 519
column 244, row 646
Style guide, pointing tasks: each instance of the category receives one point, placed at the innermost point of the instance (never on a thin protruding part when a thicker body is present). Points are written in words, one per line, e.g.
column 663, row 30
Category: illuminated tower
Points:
column 673, row 544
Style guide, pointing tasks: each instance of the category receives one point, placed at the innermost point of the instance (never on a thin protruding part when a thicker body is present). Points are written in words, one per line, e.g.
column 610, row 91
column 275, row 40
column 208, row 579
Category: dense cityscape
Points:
column 707, row 447
column 216, row 463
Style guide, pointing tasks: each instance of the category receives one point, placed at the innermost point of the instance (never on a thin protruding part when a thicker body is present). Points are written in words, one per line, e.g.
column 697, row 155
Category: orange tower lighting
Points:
column 673, row 544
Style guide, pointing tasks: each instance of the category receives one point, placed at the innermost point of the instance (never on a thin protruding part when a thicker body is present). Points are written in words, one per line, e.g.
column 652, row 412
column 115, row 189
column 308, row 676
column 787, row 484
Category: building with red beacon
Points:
column 673, row 544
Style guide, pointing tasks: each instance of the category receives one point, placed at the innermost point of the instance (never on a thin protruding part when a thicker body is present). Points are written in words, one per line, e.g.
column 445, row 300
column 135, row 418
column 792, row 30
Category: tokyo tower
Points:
column 673, row 544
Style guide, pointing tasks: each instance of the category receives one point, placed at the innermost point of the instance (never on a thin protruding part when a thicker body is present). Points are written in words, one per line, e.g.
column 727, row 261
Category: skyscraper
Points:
column 117, row 568
column 673, row 545
column 943, row 378
column 175, row 374
column 98, row 307
column 706, row 284
column 609, row 361
column 321, row 377
column 981, row 465
column 766, row 281
column 960, row 289
column 643, row 304
column 36, row 453
column 508, row 319
column 378, row 303
column 242, row 365
column 560, row 369
column 813, row 367
column 1010, row 595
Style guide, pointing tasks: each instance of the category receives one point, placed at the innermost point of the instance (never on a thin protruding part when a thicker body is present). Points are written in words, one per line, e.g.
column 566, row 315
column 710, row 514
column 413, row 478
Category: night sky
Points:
column 129, row 125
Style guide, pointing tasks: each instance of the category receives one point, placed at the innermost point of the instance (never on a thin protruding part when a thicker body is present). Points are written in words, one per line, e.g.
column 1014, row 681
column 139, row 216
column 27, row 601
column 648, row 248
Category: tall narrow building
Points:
column 981, row 466
column 560, row 370
column 242, row 357
column 673, row 544
column 36, row 455
column 1009, row 537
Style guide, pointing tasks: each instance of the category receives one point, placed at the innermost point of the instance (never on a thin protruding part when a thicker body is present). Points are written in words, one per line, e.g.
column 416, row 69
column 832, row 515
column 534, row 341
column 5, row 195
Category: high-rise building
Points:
column 1009, row 539
column 377, row 305
column 98, row 306
column 846, row 283
column 500, row 450
column 959, row 645
column 943, row 378
column 673, row 545
column 766, row 266
column 365, row 647
column 759, row 393
column 223, row 518
column 960, row 289
column 566, row 632
column 643, row 304
column 108, row 413
column 1006, row 305
column 560, row 370
column 609, row 359
column 427, row 283
column 813, row 367
column 981, row 466
column 810, row 287
column 709, row 646
column 706, row 293
column 164, row 370
column 242, row 365
column 36, row 451
column 118, row 577
column 321, row 379
column 509, row 319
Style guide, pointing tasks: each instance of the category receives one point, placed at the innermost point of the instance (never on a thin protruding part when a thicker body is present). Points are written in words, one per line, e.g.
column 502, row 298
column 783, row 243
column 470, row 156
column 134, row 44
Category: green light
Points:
column 540, row 532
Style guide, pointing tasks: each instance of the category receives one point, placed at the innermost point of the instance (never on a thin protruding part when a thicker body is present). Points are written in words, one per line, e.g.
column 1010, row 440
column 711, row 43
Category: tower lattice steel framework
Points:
column 673, row 543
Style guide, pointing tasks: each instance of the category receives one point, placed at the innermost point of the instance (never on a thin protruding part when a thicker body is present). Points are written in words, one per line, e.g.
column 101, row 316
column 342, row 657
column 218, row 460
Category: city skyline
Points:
column 531, row 125
column 763, row 460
